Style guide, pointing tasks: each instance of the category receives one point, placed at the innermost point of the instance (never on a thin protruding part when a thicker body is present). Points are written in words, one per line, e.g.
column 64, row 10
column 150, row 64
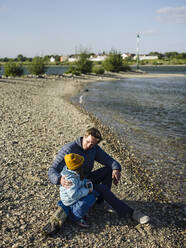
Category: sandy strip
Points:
column 147, row 75
column 36, row 120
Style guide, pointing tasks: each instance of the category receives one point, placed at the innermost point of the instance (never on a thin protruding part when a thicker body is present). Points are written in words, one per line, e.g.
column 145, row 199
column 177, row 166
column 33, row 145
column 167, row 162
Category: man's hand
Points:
column 116, row 176
column 65, row 183
column 89, row 186
column 90, row 191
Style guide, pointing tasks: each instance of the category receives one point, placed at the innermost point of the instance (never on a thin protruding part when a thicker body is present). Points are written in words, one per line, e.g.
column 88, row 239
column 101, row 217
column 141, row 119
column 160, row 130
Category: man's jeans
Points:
column 102, row 181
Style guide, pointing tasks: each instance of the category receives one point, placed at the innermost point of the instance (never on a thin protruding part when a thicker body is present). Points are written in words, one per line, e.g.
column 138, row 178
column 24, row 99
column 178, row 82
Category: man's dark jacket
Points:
column 90, row 155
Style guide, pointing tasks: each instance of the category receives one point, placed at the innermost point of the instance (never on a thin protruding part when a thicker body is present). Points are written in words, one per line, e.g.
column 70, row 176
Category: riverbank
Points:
column 36, row 120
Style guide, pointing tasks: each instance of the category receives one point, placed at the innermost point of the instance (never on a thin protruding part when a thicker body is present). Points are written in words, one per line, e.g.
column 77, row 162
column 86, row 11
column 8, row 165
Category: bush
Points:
column 74, row 70
column 13, row 69
column 157, row 62
column 37, row 66
column 143, row 62
column 98, row 70
column 84, row 65
column 125, row 67
column 114, row 62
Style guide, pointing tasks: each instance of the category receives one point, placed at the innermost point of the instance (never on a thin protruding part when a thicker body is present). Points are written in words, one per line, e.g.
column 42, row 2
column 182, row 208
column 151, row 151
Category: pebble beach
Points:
column 37, row 118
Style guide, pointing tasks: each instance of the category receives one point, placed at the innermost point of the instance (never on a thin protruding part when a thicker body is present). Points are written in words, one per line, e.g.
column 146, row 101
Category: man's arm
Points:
column 54, row 172
column 103, row 158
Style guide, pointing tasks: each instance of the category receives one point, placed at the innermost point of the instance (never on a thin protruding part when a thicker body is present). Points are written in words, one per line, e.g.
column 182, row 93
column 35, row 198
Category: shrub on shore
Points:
column 114, row 62
column 125, row 67
column 73, row 70
column 82, row 66
column 99, row 70
column 37, row 66
column 13, row 69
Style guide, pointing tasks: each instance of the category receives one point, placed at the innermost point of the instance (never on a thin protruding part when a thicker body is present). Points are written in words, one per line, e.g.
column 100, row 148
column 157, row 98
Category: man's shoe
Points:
column 55, row 222
column 108, row 208
column 105, row 207
column 83, row 223
column 140, row 217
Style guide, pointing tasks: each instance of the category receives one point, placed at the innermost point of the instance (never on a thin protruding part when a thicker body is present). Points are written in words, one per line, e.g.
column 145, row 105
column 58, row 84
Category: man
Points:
column 87, row 146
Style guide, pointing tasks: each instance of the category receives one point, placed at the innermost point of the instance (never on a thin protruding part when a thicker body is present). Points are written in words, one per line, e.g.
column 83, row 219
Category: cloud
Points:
column 172, row 15
column 149, row 32
column 3, row 8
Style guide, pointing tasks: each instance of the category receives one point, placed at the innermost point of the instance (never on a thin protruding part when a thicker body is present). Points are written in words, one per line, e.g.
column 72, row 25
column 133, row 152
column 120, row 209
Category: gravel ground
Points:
column 36, row 120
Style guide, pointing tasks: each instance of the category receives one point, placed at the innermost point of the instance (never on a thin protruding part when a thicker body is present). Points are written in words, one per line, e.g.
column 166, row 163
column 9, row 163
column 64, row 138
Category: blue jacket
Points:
column 76, row 191
column 90, row 155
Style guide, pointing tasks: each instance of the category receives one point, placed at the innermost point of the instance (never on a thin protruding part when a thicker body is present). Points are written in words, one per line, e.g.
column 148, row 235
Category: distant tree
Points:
column 160, row 55
column 182, row 56
column 13, row 69
column 57, row 58
column 153, row 53
column 5, row 59
column 92, row 54
column 37, row 66
column 171, row 54
column 29, row 59
column 21, row 58
column 46, row 58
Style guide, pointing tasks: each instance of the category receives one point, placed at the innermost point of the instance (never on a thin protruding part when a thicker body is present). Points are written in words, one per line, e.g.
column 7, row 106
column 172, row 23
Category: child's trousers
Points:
column 79, row 209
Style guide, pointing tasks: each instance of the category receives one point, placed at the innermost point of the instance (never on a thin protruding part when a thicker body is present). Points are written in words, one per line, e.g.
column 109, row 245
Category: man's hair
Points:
column 94, row 132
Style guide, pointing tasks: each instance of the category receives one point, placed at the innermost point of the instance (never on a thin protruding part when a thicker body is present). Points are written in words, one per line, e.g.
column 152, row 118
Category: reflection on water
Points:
column 59, row 70
column 149, row 114
column 162, row 69
column 50, row 70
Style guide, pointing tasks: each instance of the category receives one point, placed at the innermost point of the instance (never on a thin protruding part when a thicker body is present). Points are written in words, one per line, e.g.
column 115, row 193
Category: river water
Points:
column 149, row 115
column 50, row 70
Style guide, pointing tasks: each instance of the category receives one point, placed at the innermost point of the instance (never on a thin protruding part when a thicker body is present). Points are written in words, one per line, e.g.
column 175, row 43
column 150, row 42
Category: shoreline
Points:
column 80, row 82
column 161, row 65
column 38, row 118
column 122, row 75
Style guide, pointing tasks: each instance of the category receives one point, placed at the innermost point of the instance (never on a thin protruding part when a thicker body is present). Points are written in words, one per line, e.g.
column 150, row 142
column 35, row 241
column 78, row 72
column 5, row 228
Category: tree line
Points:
column 169, row 55
column 21, row 58
column 36, row 67
column 83, row 65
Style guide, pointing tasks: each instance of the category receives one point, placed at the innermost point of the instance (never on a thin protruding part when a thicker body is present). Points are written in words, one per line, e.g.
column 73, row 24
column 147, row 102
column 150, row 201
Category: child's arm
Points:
column 77, row 190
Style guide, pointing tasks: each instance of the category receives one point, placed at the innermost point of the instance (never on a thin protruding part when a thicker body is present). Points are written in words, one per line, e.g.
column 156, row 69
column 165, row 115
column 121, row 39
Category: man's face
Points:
column 88, row 142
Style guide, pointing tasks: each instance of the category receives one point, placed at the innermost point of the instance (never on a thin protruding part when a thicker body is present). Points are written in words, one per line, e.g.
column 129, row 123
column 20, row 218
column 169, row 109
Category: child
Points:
column 79, row 197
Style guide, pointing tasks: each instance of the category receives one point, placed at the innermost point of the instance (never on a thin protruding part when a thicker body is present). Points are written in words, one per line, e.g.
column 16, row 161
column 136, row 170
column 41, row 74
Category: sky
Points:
column 62, row 27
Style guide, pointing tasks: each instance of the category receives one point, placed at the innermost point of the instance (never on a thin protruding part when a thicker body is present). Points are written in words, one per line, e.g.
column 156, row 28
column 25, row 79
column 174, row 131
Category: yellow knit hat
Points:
column 73, row 161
